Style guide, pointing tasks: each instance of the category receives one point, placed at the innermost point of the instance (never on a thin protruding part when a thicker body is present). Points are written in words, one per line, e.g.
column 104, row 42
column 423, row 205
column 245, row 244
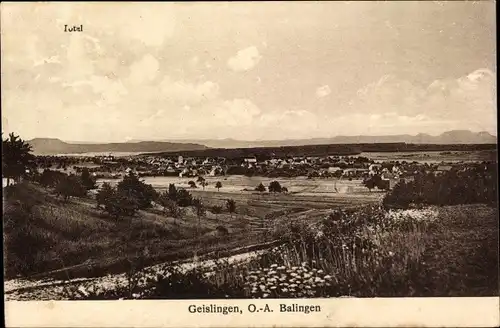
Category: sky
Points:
column 247, row 71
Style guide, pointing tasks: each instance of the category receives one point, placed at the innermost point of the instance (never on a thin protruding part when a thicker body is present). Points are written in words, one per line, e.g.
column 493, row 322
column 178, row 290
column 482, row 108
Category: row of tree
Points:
column 201, row 180
column 131, row 194
column 274, row 186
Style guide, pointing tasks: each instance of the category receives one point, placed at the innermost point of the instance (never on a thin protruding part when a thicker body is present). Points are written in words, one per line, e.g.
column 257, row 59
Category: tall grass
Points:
column 362, row 253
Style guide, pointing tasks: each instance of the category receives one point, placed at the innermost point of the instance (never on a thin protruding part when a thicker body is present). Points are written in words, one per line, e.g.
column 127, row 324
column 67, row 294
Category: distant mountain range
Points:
column 50, row 146
column 450, row 137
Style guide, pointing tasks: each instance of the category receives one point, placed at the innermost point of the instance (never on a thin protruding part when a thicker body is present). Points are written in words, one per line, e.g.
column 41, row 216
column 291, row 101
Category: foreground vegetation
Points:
column 363, row 253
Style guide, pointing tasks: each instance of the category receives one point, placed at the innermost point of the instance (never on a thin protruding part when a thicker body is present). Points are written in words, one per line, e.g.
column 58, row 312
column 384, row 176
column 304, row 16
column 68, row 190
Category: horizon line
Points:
column 134, row 140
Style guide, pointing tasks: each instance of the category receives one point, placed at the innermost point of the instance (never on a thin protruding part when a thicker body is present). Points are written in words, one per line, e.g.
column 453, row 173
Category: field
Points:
column 238, row 184
column 434, row 156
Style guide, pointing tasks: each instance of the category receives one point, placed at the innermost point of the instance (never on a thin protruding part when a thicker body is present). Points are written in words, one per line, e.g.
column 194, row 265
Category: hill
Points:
column 46, row 236
column 50, row 146
column 263, row 153
column 450, row 137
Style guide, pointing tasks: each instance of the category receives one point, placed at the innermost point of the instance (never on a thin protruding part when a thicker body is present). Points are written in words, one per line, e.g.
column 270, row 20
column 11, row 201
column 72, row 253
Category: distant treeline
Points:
column 263, row 153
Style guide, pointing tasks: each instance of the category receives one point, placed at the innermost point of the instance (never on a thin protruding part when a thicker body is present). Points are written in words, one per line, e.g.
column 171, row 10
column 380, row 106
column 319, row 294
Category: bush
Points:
column 104, row 194
column 121, row 204
column 477, row 185
column 260, row 188
column 222, row 230
column 172, row 192
column 274, row 186
column 216, row 209
column 51, row 178
column 70, row 186
column 231, row 205
column 87, row 180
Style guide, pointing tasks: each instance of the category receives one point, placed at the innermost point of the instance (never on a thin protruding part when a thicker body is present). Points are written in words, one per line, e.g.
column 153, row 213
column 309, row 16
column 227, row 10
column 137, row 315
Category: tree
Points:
column 16, row 157
column 231, row 205
column 200, row 212
column 374, row 181
column 169, row 205
column 87, row 180
column 70, row 186
column 120, row 203
column 133, row 187
column 200, row 207
column 104, row 194
column 218, row 185
column 260, row 188
column 51, row 178
column 274, row 186
column 369, row 183
column 172, row 192
column 184, row 198
column 201, row 181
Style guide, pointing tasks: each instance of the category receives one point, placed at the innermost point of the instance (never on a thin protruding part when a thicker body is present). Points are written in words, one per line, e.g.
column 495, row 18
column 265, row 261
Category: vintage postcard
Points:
column 250, row 164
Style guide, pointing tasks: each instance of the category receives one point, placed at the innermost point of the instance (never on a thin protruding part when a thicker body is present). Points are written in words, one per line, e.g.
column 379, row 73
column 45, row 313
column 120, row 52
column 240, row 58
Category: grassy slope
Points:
column 57, row 234
column 461, row 258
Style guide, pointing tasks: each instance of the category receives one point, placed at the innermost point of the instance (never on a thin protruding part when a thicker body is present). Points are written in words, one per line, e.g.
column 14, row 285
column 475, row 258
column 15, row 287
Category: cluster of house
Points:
column 348, row 167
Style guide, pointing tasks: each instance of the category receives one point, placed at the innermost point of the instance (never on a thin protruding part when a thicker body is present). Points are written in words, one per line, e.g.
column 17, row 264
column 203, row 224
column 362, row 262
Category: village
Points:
column 313, row 167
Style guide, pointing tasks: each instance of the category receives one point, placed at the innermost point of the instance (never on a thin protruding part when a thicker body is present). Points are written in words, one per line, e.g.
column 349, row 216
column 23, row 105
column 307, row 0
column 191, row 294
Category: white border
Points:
column 344, row 312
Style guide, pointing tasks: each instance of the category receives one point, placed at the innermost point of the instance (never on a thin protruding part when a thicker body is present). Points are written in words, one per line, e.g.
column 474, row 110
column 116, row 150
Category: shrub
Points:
column 172, row 192
column 87, row 180
column 274, row 186
column 231, row 205
column 51, row 178
column 476, row 185
column 121, row 204
column 216, row 209
column 260, row 188
column 70, row 186
column 222, row 230
column 104, row 194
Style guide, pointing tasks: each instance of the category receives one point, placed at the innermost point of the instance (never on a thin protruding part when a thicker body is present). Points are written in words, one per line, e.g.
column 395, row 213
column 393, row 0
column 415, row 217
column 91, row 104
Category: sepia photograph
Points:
column 281, row 151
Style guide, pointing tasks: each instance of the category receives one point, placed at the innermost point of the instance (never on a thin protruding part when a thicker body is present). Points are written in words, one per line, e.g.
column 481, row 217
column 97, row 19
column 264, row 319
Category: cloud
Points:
column 186, row 93
column 469, row 101
column 245, row 59
column 323, row 91
column 5, row 125
column 144, row 70
column 236, row 112
column 194, row 61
